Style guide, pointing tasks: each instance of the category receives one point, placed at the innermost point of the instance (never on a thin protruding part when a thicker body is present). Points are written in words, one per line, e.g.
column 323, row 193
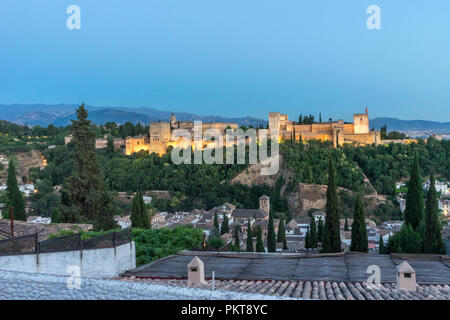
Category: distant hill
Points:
column 60, row 115
column 411, row 125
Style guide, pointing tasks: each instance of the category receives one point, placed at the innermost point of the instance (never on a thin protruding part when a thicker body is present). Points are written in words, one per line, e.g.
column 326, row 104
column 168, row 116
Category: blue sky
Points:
column 231, row 57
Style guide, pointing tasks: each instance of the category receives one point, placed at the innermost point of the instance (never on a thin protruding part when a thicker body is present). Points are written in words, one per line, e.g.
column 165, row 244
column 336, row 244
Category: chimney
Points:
column 406, row 277
column 196, row 272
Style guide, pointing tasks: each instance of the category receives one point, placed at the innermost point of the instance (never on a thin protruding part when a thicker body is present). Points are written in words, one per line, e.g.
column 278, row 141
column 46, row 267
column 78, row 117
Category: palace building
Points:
column 338, row 132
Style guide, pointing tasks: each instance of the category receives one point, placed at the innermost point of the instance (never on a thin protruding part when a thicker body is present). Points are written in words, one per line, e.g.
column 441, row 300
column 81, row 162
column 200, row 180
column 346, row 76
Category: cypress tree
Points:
column 271, row 239
column 346, row 224
column 143, row 212
column 225, row 226
column 414, row 201
column 14, row 196
column 85, row 195
column 281, row 231
column 359, row 231
column 381, row 249
column 331, row 236
column 301, row 143
column 313, row 233
column 136, row 217
column 237, row 241
column 307, row 241
column 249, row 237
column 216, row 231
column 432, row 239
column 320, row 230
column 110, row 145
column 259, row 242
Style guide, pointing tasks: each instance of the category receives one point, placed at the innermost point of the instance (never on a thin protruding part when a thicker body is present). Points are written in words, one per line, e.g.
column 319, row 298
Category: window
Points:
column 194, row 269
column 407, row 275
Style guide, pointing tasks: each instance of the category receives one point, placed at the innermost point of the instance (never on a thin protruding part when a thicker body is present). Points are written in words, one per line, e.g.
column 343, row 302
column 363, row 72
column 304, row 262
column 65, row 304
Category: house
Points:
column 242, row 215
column 301, row 223
column 369, row 223
column 264, row 226
column 38, row 219
column 147, row 199
column 392, row 224
column 319, row 215
column 123, row 222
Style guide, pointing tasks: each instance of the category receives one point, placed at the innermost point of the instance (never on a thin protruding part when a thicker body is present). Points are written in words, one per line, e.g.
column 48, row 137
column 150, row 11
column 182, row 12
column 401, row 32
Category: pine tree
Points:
column 259, row 241
column 301, row 143
column 295, row 139
column 432, row 239
column 320, row 116
column 331, row 236
column 414, row 201
column 359, row 231
column 381, row 249
column 237, row 241
column 14, row 196
column 320, row 230
column 271, row 239
column 225, row 226
column 249, row 237
column 346, row 224
column 313, row 233
column 85, row 197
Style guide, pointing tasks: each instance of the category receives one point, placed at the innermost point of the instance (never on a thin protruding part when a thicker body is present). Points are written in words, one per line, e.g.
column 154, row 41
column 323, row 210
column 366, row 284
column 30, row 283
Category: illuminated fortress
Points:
column 338, row 132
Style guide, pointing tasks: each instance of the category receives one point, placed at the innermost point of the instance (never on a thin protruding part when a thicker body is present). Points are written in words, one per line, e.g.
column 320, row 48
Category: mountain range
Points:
column 61, row 114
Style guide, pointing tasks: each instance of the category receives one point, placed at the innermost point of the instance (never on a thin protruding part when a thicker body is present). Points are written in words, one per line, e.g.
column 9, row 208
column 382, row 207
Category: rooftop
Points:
column 337, row 267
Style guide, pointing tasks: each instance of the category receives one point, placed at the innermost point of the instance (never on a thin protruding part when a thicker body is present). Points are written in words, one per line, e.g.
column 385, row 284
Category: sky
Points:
column 231, row 57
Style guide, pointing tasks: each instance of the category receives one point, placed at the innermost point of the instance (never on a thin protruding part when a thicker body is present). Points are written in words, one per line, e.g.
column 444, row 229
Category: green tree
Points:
column 432, row 239
column 359, row 231
column 225, row 226
column 249, row 237
column 320, row 230
column 331, row 236
column 271, row 238
column 414, row 200
column 110, row 145
column 56, row 215
column 259, row 241
column 136, row 216
column 346, row 224
column 216, row 225
column 313, row 233
column 237, row 241
column 281, row 235
column 85, row 197
column 307, row 241
column 381, row 249
column 13, row 194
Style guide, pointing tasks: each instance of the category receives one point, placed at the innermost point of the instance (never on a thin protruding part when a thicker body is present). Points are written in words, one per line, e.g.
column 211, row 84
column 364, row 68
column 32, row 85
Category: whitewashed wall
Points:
column 94, row 263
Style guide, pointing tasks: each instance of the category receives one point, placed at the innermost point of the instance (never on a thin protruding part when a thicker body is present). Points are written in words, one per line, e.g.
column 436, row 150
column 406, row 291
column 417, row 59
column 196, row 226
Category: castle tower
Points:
column 264, row 204
column 173, row 120
column 361, row 123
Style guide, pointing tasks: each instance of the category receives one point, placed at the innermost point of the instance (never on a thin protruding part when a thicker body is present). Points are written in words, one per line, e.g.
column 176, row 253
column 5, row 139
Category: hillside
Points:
column 410, row 125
